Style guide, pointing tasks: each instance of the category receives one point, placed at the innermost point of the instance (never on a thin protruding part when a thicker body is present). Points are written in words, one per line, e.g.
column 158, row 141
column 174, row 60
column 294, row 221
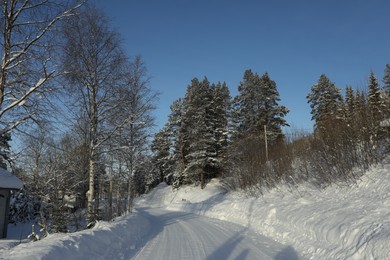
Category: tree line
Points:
column 241, row 140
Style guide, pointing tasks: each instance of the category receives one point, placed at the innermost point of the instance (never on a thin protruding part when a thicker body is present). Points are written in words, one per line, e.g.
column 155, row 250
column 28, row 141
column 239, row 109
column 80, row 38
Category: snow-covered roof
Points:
column 9, row 181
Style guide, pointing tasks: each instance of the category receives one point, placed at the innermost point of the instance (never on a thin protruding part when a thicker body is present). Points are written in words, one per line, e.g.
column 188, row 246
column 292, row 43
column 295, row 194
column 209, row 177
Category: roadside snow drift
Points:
column 339, row 222
column 107, row 240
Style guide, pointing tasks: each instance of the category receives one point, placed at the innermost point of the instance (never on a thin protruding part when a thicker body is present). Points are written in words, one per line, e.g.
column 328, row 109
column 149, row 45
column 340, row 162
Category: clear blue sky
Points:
column 294, row 41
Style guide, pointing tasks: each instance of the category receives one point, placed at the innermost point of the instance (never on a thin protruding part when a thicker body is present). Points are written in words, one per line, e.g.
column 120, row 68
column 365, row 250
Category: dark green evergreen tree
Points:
column 176, row 136
column 247, row 106
column 325, row 101
column 5, row 138
column 376, row 105
column 257, row 106
column 273, row 114
column 361, row 115
column 161, row 148
column 386, row 80
column 386, row 89
column 220, row 110
column 350, row 105
column 197, row 133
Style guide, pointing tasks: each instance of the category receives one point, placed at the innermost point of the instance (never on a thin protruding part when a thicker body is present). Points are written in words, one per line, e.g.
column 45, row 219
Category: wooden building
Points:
column 8, row 182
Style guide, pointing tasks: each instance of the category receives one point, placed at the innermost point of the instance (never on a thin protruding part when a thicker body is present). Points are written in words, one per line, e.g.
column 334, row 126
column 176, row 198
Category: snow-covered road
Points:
column 155, row 233
column 179, row 235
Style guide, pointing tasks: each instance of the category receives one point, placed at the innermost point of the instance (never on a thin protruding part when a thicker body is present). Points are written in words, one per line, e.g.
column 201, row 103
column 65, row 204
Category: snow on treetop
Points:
column 9, row 181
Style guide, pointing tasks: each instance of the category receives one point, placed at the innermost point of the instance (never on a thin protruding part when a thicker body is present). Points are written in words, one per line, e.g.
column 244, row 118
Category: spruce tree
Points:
column 273, row 114
column 361, row 104
column 361, row 115
column 247, row 106
column 386, row 80
column 352, row 114
column 257, row 106
column 350, row 105
column 375, row 99
column 220, row 109
column 5, row 138
column 376, row 104
column 175, row 134
column 386, row 89
column 197, row 133
column 325, row 101
column 161, row 148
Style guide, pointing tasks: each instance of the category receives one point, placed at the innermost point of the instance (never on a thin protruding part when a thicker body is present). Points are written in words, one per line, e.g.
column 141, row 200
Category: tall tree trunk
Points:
column 130, row 186
column 110, row 189
column 202, row 180
column 91, row 191
column 91, row 214
column 129, row 195
column 130, row 167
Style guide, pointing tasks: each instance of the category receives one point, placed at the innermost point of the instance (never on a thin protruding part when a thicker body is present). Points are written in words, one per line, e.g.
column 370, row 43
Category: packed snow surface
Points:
column 180, row 235
column 338, row 222
column 156, row 234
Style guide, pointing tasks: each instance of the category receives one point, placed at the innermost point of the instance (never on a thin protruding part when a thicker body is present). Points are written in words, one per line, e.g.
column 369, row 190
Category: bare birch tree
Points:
column 94, row 62
column 27, row 65
column 138, row 104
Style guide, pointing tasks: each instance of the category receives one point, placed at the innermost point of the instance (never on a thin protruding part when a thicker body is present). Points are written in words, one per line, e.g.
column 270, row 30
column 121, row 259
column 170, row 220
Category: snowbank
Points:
column 107, row 240
column 335, row 223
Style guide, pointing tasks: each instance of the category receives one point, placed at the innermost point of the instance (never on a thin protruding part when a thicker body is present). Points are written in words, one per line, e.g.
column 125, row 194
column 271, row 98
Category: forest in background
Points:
column 83, row 111
column 209, row 134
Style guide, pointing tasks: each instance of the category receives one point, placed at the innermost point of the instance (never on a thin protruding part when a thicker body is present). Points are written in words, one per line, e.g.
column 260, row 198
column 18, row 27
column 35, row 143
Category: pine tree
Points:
column 5, row 138
column 376, row 104
column 386, row 89
column 273, row 113
column 351, row 116
column 175, row 135
column 375, row 100
column 247, row 106
column 386, row 80
column 361, row 103
column 325, row 102
column 197, row 133
column 350, row 105
column 161, row 148
column 257, row 106
column 220, row 108
column 361, row 115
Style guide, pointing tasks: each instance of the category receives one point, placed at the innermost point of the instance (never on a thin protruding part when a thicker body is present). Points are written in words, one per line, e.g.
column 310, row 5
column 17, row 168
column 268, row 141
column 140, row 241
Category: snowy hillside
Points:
column 336, row 223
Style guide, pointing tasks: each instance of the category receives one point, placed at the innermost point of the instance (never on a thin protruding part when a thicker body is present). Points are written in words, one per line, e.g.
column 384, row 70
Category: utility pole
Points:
column 266, row 143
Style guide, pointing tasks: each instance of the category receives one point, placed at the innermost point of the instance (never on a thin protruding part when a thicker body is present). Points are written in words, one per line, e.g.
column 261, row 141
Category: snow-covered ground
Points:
column 181, row 235
column 339, row 222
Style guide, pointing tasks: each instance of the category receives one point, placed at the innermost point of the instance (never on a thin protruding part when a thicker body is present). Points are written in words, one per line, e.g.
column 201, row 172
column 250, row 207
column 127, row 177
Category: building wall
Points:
column 4, row 210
